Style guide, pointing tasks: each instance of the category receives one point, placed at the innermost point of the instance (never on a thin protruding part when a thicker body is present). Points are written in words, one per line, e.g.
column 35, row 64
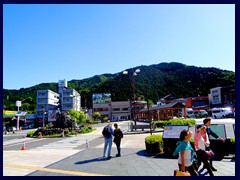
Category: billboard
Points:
column 101, row 98
column 216, row 95
column 52, row 115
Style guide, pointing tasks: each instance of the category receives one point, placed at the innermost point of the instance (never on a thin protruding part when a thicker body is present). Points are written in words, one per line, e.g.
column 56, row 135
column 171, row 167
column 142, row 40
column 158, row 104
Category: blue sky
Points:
column 46, row 43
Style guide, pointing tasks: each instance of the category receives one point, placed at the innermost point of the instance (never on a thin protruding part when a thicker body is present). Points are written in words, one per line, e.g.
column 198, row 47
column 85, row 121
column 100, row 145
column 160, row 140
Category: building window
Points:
column 116, row 109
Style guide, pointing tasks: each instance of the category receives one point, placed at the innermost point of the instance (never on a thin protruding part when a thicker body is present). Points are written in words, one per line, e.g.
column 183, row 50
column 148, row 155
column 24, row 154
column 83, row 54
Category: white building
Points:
column 46, row 100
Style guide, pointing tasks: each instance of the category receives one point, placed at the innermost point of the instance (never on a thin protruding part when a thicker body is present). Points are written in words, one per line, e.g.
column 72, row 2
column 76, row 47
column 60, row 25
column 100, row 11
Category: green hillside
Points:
column 153, row 82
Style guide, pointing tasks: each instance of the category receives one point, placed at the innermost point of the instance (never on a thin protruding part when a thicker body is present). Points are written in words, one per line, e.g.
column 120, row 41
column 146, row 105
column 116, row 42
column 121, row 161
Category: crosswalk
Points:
column 68, row 143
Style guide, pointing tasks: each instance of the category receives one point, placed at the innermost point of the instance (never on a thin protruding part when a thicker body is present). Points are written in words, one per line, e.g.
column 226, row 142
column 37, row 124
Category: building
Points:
column 119, row 110
column 197, row 102
column 223, row 96
column 69, row 98
column 166, row 111
column 47, row 100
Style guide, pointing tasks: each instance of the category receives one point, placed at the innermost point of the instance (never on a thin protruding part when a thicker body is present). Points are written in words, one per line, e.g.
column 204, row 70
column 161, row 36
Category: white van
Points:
column 189, row 112
column 222, row 113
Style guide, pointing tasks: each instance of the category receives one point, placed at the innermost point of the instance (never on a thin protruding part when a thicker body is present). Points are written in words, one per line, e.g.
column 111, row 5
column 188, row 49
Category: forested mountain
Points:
column 153, row 82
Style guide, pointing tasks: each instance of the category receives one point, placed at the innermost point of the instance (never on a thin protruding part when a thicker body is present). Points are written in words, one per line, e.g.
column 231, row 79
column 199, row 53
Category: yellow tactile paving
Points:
column 14, row 166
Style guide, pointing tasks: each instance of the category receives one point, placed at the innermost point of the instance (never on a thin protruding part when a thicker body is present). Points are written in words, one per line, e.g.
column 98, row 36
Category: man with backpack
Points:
column 118, row 135
column 107, row 133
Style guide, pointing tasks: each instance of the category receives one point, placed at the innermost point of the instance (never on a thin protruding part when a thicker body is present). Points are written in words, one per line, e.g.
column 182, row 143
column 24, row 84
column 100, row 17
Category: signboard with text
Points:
column 52, row 115
column 173, row 131
column 18, row 103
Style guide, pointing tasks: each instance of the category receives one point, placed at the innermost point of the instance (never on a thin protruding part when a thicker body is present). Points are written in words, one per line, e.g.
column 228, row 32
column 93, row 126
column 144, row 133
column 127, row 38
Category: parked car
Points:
column 199, row 113
column 222, row 113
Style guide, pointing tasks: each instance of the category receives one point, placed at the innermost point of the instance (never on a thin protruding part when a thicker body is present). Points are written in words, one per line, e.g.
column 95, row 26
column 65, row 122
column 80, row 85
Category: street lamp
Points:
column 43, row 116
column 133, row 87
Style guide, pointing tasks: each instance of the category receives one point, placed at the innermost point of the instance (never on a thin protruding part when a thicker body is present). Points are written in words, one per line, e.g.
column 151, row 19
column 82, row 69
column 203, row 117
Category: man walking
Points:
column 107, row 133
column 207, row 123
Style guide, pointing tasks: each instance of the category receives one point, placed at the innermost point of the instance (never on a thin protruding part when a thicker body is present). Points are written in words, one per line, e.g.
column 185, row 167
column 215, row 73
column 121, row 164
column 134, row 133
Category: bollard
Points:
column 23, row 145
column 40, row 136
column 87, row 144
column 63, row 133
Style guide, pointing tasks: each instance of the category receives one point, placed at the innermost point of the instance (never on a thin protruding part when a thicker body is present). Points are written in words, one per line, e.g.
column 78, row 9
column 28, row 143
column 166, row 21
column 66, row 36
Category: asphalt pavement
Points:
column 71, row 157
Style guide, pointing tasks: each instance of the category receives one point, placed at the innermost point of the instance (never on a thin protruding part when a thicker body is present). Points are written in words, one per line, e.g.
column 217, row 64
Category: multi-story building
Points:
column 47, row 100
column 119, row 110
column 69, row 98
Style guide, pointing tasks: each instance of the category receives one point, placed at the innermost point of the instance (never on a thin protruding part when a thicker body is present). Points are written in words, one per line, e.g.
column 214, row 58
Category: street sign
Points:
column 18, row 103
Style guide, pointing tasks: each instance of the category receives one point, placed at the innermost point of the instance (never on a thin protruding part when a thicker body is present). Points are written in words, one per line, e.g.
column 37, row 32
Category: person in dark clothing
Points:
column 118, row 135
column 207, row 123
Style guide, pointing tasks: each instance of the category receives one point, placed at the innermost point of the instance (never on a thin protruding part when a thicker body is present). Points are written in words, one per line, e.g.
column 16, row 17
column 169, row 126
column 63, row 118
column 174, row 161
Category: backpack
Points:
column 106, row 132
column 118, row 134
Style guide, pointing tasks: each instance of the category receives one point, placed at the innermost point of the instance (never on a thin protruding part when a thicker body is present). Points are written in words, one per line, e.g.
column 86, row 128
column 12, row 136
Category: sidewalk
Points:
column 89, row 162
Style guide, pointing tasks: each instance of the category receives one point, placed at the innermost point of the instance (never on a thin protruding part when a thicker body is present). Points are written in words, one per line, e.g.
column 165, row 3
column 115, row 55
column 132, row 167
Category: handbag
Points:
column 208, row 154
column 180, row 173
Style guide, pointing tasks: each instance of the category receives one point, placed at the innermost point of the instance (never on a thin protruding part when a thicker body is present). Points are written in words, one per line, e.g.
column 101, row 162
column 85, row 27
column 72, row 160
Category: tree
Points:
column 78, row 116
column 96, row 115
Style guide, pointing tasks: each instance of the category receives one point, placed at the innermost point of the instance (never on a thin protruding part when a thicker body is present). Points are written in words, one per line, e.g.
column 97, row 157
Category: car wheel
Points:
column 215, row 117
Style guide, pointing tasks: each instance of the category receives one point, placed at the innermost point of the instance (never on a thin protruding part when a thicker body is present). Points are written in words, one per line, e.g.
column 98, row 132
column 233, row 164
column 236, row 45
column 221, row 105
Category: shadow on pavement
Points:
column 141, row 153
column 155, row 155
column 92, row 160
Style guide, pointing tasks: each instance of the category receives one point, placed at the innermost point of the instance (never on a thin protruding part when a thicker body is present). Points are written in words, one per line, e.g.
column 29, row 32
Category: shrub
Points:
column 177, row 121
column 232, row 148
column 72, row 133
column 94, row 122
column 88, row 121
column 154, row 143
column 86, row 129
column 31, row 133
column 66, row 131
column 105, row 119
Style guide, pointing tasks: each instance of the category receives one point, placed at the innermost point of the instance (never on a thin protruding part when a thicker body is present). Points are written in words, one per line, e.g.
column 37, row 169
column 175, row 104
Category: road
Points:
column 15, row 141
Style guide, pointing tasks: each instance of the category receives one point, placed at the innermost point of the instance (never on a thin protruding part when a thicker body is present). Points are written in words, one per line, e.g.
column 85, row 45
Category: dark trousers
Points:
column 118, row 143
column 201, row 158
column 190, row 169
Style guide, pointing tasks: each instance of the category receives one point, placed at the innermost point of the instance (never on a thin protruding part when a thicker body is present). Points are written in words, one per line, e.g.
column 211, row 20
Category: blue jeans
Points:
column 107, row 143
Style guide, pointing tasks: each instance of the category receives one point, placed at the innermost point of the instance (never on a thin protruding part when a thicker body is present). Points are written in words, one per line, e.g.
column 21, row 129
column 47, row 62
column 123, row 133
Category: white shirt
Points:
column 187, row 158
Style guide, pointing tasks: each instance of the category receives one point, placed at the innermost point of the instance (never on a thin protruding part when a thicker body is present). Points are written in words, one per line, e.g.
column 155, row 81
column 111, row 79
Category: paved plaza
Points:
column 77, row 160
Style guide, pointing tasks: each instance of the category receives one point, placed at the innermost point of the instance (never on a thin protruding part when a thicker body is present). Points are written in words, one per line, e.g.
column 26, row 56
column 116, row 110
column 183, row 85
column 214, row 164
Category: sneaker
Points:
column 213, row 169
column 104, row 156
column 118, row 155
column 109, row 157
